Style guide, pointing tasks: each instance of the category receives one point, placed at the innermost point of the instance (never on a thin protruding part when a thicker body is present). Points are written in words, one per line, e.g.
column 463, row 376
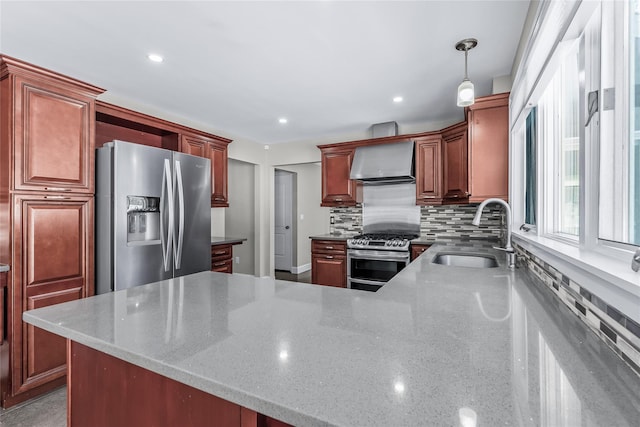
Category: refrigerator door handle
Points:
column 180, row 235
column 168, row 187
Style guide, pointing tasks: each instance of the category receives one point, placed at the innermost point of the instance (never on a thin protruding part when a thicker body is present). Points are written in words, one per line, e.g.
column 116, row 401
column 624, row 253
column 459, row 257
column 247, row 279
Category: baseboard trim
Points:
column 301, row 268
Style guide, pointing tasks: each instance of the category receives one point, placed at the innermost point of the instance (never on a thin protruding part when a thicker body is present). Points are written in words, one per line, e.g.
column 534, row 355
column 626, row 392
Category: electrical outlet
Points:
column 301, row 217
column 237, row 260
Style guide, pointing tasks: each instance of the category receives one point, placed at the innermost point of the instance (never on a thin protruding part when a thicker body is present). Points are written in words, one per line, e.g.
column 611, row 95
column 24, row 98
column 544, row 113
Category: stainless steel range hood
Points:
column 384, row 163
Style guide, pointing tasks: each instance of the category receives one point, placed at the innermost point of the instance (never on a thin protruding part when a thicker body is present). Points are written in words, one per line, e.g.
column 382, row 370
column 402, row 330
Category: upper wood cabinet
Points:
column 48, row 125
column 115, row 122
column 488, row 120
column 337, row 188
column 216, row 151
column 428, row 170
column 455, row 178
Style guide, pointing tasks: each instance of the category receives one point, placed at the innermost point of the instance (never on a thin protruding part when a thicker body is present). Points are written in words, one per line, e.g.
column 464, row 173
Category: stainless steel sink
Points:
column 465, row 260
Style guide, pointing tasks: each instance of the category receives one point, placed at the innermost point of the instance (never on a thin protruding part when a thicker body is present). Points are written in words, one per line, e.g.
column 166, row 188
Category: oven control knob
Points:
column 395, row 243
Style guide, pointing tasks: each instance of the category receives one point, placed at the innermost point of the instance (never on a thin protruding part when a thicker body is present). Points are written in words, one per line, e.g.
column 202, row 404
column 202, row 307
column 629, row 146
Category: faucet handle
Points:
column 635, row 261
column 509, row 249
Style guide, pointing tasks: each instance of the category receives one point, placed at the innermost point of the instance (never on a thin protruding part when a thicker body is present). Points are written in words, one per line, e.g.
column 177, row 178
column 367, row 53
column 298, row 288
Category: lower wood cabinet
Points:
column 329, row 263
column 417, row 250
column 52, row 263
column 222, row 258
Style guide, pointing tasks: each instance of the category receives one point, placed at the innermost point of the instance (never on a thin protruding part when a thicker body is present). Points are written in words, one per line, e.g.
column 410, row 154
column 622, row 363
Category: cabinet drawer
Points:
column 222, row 266
column 329, row 246
column 221, row 252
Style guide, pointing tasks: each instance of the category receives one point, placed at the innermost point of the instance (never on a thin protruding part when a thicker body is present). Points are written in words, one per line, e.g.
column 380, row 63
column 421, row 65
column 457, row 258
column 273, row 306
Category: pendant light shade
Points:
column 466, row 93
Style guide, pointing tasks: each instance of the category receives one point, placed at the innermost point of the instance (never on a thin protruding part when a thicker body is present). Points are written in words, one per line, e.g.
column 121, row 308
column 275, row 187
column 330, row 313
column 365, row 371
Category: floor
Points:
column 302, row 277
column 49, row 410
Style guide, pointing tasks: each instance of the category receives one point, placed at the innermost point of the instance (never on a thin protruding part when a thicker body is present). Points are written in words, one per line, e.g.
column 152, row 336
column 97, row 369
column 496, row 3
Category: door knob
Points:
column 286, row 227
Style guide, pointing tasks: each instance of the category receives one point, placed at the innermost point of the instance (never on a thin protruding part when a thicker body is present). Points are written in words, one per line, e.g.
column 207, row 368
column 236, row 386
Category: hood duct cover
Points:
column 384, row 163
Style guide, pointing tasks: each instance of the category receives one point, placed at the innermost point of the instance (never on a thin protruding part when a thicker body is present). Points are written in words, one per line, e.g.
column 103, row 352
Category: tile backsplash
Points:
column 620, row 333
column 450, row 222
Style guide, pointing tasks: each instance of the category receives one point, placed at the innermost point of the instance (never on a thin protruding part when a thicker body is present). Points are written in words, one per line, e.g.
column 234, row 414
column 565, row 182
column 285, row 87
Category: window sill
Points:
column 609, row 278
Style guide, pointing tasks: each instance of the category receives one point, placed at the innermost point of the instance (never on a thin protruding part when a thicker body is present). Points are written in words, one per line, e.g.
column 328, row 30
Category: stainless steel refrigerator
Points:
column 153, row 215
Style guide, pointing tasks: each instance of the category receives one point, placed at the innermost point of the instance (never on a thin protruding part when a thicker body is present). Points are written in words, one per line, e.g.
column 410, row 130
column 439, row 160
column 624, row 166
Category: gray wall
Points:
column 240, row 215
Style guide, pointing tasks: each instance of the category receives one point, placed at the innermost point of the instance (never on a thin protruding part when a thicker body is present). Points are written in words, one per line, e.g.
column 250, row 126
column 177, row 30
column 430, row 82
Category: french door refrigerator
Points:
column 153, row 215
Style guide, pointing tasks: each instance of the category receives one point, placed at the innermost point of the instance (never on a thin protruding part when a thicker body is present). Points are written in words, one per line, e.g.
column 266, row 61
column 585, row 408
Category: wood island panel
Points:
column 106, row 391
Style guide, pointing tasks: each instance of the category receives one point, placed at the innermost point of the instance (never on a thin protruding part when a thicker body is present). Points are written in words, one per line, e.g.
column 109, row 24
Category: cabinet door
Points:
column 329, row 270
column 217, row 153
column 53, row 137
column 429, row 171
column 52, row 264
column 417, row 250
column 455, row 167
column 489, row 153
column 337, row 188
column 193, row 146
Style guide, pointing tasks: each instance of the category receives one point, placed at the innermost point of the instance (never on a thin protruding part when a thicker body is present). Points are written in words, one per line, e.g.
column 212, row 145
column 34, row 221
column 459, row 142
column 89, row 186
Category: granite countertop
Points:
column 3, row 268
column 437, row 345
column 216, row 240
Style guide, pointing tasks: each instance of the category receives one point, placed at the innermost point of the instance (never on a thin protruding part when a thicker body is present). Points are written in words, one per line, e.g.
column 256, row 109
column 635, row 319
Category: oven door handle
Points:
column 378, row 257
column 366, row 282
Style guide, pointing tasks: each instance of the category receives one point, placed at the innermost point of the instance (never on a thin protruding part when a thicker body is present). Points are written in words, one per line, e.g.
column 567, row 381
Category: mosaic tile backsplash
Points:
column 451, row 222
column 618, row 331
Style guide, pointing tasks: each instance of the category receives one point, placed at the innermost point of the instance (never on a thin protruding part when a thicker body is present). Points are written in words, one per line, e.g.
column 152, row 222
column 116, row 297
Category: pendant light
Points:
column 466, row 95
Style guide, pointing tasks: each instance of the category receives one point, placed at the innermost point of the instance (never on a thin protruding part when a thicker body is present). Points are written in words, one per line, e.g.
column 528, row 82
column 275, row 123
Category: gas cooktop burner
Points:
column 381, row 241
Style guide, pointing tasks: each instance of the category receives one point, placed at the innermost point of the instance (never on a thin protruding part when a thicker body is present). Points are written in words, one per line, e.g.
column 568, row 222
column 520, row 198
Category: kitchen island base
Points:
column 106, row 391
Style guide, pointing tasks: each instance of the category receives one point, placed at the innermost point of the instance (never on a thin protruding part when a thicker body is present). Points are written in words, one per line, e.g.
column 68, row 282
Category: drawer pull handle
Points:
column 328, row 247
column 57, row 197
column 56, row 189
column 219, row 264
column 329, row 257
column 338, row 200
column 220, row 253
column 218, row 199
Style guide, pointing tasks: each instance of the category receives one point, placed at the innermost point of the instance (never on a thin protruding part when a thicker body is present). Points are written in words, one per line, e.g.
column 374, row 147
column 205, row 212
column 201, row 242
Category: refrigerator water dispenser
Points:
column 143, row 220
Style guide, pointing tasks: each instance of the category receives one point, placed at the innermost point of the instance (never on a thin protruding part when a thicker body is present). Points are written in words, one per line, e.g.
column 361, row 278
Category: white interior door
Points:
column 283, row 243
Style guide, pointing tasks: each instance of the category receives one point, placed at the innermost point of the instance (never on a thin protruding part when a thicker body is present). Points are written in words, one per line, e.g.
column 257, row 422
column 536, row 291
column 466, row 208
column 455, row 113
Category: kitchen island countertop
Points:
column 437, row 345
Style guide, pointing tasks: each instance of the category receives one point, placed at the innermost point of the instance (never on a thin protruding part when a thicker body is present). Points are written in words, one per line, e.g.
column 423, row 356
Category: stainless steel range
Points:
column 373, row 259
column 390, row 220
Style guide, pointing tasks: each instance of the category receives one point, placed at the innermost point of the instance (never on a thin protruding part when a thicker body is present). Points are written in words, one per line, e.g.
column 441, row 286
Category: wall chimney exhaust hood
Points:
column 384, row 163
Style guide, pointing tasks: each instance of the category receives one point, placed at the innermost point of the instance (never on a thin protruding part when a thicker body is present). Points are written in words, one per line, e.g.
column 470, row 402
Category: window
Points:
column 531, row 155
column 560, row 138
column 619, row 154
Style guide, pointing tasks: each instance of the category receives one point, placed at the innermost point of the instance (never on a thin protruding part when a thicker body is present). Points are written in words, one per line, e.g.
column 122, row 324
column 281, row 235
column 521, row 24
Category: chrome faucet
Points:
column 511, row 254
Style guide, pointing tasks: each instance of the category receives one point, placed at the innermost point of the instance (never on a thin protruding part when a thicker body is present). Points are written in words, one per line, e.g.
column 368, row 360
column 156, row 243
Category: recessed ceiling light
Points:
column 155, row 57
column 282, row 120
column 397, row 99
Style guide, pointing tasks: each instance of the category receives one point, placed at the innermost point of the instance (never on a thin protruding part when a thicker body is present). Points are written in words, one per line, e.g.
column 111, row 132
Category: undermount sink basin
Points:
column 466, row 260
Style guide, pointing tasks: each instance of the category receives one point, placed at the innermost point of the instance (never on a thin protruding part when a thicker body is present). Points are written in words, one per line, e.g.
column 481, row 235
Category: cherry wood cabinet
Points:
column 488, row 120
column 417, row 249
column 3, row 306
column 47, row 129
column 337, row 188
column 222, row 258
column 428, row 161
column 329, row 263
column 455, row 179
column 52, row 263
column 216, row 151
column 47, row 141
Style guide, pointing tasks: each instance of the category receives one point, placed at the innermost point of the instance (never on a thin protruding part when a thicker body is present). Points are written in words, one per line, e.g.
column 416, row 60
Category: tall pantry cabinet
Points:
column 47, row 127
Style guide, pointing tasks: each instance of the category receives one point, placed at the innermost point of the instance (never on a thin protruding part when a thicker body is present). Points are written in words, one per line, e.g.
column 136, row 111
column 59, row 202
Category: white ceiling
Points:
column 330, row 67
